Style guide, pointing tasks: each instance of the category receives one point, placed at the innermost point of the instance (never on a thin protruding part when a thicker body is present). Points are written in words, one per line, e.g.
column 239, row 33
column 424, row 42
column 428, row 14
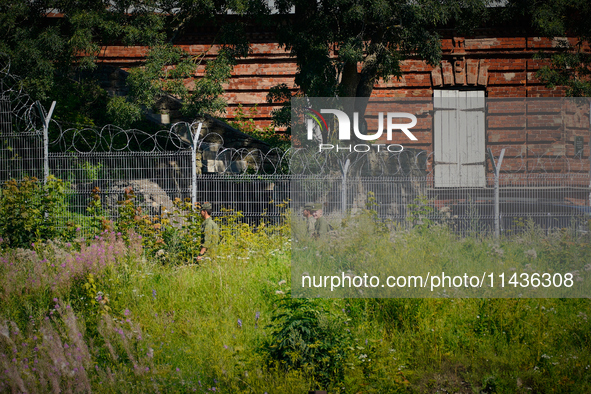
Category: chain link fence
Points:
column 180, row 163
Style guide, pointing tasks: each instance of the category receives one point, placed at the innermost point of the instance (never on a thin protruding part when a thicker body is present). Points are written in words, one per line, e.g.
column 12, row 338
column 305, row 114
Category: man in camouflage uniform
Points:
column 209, row 231
column 309, row 219
column 321, row 226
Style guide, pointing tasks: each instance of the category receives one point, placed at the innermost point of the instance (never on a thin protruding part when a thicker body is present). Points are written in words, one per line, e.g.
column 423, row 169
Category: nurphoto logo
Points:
column 315, row 122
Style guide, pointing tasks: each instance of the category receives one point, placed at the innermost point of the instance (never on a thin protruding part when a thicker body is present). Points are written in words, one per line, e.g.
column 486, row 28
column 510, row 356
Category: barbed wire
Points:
column 18, row 111
column 20, row 115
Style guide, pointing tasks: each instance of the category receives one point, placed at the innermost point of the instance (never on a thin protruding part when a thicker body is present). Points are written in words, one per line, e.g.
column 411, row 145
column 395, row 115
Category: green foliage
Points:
column 98, row 220
column 163, row 73
column 281, row 94
column 306, row 336
column 181, row 233
column 45, row 50
column 420, row 213
column 228, row 323
column 342, row 47
column 122, row 112
column 207, row 96
column 246, row 124
column 30, row 210
column 569, row 68
column 571, row 64
column 45, row 53
column 132, row 220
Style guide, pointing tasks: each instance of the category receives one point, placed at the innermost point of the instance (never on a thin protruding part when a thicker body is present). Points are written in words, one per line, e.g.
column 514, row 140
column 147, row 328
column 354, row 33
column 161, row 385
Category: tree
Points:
column 570, row 65
column 342, row 47
column 54, row 44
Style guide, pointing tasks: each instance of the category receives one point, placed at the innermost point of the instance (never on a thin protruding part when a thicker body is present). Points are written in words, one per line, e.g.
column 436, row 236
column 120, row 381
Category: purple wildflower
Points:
column 239, row 323
column 127, row 312
column 154, row 293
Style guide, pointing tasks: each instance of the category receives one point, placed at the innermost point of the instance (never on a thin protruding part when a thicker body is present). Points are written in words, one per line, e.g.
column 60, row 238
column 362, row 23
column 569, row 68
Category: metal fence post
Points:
column 46, row 119
column 194, row 165
column 497, row 169
column 345, row 170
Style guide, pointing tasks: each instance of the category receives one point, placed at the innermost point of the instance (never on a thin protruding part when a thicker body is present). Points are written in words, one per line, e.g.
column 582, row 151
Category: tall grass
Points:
column 115, row 319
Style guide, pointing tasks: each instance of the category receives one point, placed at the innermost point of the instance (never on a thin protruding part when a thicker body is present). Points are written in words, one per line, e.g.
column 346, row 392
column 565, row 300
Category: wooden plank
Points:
column 459, row 139
column 473, row 175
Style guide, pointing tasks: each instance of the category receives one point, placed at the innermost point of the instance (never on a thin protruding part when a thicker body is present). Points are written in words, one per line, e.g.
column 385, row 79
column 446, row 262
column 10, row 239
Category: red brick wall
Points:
column 502, row 66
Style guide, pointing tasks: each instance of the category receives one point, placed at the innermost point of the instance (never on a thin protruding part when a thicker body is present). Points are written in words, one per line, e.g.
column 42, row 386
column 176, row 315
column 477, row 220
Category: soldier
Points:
column 209, row 231
column 309, row 219
column 321, row 226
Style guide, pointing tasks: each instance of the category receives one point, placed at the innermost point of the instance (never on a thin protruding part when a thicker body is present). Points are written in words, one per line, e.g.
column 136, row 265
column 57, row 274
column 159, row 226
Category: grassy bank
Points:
column 104, row 315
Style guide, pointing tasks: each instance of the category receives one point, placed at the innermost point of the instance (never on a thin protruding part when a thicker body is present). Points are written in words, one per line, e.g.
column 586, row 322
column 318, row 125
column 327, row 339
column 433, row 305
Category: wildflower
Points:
column 225, row 346
column 154, row 293
column 178, row 370
column 239, row 323
column 257, row 315
column 127, row 312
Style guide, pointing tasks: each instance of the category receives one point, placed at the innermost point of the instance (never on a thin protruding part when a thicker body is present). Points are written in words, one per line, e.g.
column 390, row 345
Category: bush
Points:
column 30, row 210
column 306, row 336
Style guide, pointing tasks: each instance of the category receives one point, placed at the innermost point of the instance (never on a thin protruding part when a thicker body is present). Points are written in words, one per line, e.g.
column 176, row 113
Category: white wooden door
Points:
column 459, row 138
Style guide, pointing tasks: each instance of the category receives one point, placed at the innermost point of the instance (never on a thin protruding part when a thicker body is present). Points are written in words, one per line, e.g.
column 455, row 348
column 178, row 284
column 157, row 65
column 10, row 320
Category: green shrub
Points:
column 31, row 210
column 306, row 336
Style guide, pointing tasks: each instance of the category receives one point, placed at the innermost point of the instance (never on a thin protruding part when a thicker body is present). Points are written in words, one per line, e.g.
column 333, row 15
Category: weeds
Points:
column 105, row 314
